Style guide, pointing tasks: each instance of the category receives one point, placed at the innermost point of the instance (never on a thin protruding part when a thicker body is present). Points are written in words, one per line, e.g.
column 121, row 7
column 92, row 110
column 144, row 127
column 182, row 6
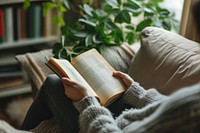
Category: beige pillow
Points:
column 166, row 61
column 34, row 66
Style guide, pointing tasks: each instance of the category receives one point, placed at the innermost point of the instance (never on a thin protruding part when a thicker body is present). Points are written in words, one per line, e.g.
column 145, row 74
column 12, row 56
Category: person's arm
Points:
column 95, row 118
column 138, row 97
column 135, row 94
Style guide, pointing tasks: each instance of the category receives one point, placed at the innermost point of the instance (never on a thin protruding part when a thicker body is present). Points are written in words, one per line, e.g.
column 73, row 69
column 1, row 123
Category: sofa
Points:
column 165, row 61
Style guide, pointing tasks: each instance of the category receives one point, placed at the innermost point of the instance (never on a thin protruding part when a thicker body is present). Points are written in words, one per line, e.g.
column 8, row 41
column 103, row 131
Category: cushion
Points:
column 165, row 61
column 34, row 65
column 118, row 57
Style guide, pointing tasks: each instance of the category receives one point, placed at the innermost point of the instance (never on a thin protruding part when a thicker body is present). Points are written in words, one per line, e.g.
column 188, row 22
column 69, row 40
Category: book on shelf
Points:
column 19, row 89
column 47, row 24
column 1, row 26
column 8, row 82
column 9, row 24
column 17, row 23
column 7, row 59
column 9, row 68
column 93, row 71
column 21, row 23
column 37, row 19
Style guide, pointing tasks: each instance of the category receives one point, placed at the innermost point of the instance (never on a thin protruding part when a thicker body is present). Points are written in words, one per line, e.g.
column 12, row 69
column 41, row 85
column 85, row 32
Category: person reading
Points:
column 92, row 71
column 138, row 110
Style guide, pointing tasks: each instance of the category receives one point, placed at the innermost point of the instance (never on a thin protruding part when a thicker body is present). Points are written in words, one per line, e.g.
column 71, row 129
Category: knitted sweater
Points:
column 153, row 112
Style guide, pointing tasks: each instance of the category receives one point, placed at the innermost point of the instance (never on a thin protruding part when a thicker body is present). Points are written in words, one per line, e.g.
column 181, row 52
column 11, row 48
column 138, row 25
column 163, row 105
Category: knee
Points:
column 52, row 82
column 52, row 78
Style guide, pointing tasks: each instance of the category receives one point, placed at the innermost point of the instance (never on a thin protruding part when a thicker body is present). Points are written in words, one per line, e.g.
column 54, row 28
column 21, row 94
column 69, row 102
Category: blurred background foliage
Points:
column 87, row 24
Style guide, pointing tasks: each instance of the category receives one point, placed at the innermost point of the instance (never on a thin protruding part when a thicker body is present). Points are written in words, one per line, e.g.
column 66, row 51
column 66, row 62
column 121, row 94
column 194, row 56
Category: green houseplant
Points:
column 112, row 23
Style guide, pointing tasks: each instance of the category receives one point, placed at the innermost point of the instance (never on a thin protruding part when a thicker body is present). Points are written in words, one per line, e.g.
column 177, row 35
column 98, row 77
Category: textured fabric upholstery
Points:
column 165, row 61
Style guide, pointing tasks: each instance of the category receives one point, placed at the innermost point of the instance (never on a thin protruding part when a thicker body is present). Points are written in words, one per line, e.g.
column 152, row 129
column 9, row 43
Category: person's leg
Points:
column 52, row 101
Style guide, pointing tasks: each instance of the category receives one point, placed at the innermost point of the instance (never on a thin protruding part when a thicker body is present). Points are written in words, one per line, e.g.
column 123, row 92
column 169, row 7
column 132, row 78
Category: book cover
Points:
column 21, row 23
column 1, row 25
column 47, row 24
column 11, row 82
column 9, row 24
column 36, row 31
column 15, row 23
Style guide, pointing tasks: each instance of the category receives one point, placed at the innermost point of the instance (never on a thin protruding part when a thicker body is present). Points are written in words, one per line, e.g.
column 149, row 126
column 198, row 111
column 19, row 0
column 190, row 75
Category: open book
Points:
column 93, row 71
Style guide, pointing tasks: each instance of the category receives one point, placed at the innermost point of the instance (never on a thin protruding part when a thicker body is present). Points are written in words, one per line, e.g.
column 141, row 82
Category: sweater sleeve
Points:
column 95, row 118
column 138, row 97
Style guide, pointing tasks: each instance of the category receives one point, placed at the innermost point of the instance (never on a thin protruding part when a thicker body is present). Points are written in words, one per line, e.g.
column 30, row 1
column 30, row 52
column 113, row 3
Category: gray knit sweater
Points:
column 153, row 112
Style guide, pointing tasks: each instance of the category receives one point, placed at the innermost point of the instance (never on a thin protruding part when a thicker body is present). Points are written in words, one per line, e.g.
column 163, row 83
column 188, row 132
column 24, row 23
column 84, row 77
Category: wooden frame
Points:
column 188, row 26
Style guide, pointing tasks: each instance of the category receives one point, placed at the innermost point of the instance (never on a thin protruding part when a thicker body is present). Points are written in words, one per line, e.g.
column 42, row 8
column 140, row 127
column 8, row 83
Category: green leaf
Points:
column 108, row 8
column 80, row 48
column 101, row 29
column 111, row 25
column 96, row 15
column 135, row 4
column 58, row 19
column 119, row 2
column 61, row 8
column 81, row 34
column 166, row 25
column 149, row 12
column 56, row 49
column 66, row 4
column 26, row 4
column 108, row 39
column 130, row 37
column 118, row 35
column 87, row 9
column 163, row 12
column 143, row 24
column 123, row 16
column 96, row 40
column 47, row 6
column 87, row 22
column 89, row 40
column 130, row 27
column 65, row 54
column 128, row 7
column 155, row 2
column 112, row 43
column 112, row 3
column 50, row 5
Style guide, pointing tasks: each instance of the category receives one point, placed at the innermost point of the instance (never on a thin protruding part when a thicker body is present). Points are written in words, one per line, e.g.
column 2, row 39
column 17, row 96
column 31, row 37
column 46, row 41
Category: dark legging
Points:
column 51, row 102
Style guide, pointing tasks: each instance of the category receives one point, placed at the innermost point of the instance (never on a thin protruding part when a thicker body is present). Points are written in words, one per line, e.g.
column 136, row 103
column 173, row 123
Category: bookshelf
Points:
column 28, row 42
column 21, row 31
column 12, row 2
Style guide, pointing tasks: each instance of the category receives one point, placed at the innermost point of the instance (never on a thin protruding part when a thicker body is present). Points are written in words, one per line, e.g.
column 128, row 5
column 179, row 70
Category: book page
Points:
column 98, row 74
column 63, row 68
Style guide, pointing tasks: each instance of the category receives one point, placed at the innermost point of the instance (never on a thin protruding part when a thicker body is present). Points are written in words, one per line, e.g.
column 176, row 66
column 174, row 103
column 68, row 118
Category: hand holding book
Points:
column 125, row 78
column 74, row 90
column 92, row 71
column 77, row 91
